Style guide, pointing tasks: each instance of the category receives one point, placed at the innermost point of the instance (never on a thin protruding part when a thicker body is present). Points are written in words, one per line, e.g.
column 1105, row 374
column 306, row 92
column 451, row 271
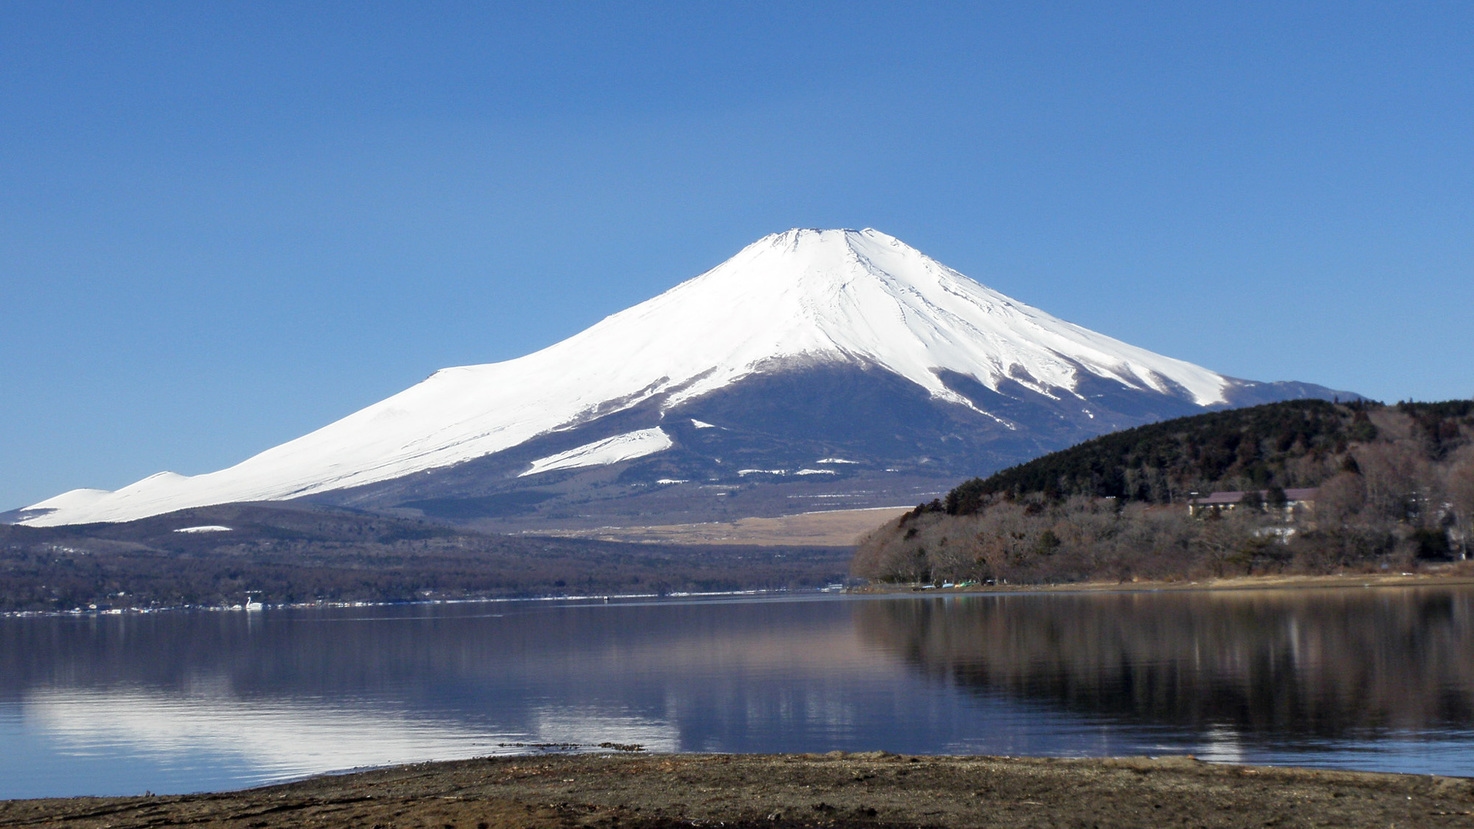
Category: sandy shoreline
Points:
column 836, row 790
column 1463, row 578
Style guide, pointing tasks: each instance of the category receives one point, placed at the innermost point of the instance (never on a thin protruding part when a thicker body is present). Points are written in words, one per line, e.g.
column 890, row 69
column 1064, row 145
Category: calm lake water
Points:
column 177, row 702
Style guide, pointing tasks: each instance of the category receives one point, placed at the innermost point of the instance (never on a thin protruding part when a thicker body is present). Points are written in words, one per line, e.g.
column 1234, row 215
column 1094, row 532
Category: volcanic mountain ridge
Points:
column 814, row 370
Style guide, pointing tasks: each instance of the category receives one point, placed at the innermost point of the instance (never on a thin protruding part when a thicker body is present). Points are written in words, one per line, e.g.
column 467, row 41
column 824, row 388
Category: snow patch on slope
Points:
column 625, row 447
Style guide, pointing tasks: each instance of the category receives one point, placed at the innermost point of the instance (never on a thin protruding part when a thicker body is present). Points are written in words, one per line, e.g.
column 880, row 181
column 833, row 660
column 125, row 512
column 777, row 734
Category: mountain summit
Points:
column 844, row 360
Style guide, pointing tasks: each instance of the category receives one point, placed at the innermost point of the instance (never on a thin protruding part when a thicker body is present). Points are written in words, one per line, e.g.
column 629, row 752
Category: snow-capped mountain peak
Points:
column 792, row 299
column 866, row 296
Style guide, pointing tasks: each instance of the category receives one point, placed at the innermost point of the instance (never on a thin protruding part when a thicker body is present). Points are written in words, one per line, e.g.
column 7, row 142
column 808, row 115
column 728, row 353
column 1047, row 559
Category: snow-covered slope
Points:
column 800, row 298
column 623, row 447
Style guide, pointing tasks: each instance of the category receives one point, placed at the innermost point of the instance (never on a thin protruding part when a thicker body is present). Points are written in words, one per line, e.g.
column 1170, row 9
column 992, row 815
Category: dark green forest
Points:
column 1396, row 490
column 281, row 553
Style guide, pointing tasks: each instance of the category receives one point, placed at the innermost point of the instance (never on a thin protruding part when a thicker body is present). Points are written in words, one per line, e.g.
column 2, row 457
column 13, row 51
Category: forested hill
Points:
column 1277, row 444
column 1394, row 488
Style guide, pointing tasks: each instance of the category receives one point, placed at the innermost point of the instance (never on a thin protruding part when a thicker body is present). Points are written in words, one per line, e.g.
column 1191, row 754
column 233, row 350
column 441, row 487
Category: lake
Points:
column 1376, row 678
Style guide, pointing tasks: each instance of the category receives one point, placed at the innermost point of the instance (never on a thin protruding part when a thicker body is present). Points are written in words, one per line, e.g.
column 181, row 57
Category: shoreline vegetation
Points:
column 1448, row 576
column 875, row 789
column 1305, row 487
column 314, row 605
column 296, row 554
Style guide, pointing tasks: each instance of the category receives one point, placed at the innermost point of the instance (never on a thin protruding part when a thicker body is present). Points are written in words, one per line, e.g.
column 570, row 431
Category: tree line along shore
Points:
column 302, row 554
column 1378, row 489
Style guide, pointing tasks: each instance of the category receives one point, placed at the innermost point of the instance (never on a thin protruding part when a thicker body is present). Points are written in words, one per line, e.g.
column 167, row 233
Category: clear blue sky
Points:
column 223, row 225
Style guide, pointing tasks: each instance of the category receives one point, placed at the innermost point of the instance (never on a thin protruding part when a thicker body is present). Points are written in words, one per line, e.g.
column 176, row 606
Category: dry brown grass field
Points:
column 835, row 528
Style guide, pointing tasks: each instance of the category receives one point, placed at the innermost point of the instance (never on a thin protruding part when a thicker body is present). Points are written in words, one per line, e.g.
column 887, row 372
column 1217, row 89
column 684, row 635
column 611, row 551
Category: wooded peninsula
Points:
column 1301, row 487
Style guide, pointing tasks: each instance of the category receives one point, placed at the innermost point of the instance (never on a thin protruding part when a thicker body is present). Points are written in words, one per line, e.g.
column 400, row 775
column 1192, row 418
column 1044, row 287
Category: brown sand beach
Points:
column 1459, row 575
column 831, row 790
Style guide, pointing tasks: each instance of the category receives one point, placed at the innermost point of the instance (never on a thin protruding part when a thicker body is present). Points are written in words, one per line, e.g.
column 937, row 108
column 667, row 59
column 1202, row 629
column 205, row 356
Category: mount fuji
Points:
column 815, row 369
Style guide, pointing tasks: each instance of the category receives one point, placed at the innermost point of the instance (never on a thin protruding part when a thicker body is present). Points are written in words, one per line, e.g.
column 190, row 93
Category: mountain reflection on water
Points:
column 195, row 701
column 176, row 702
column 1275, row 663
